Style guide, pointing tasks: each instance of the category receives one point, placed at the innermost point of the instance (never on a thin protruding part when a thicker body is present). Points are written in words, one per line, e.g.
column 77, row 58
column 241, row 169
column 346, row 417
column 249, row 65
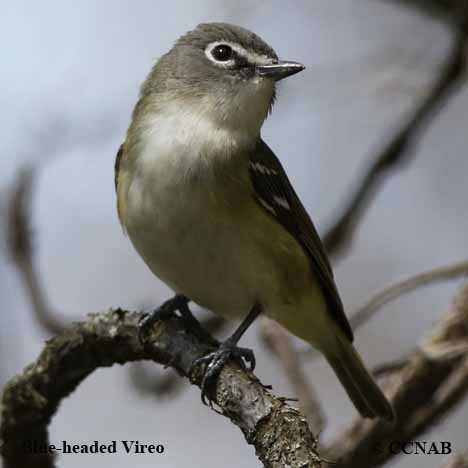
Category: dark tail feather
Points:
column 358, row 383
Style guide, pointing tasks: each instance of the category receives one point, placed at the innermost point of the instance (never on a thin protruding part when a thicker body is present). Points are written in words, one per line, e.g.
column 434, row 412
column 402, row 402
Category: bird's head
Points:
column 223, row 72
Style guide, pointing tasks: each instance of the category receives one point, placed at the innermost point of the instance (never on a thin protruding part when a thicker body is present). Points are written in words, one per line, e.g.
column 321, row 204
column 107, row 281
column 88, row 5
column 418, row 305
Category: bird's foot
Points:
column 215, row 361
column 163, row 312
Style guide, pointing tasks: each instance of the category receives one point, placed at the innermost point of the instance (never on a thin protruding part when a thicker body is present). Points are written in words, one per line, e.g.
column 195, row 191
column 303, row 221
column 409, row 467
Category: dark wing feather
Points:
column 118, row 159
column 278, row 197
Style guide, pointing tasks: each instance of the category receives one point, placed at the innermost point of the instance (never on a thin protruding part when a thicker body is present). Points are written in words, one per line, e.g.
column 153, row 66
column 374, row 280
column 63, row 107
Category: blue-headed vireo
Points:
column 209, row 208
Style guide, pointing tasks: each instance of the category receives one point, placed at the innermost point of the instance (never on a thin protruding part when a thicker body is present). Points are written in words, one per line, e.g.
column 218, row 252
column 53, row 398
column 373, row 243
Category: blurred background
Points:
column 70, row 75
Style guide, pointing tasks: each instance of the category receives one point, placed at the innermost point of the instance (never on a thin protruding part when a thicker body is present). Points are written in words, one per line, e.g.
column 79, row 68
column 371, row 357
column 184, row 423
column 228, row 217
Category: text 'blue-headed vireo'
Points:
column 211, row 211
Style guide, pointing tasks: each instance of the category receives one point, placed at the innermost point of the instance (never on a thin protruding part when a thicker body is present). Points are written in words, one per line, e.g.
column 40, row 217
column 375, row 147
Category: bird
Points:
column 209, row 208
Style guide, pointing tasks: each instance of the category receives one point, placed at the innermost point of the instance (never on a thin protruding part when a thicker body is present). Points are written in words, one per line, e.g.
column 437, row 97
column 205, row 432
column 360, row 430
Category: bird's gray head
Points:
column 222, row 71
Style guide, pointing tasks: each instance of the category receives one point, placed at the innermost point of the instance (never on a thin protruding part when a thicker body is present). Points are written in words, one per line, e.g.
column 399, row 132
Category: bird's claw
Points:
column 163, row 312
column 214, row 363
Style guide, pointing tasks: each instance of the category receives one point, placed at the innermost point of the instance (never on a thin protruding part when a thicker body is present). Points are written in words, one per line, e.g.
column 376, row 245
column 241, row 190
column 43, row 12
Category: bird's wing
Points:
column 118, row 161
column 277, row 196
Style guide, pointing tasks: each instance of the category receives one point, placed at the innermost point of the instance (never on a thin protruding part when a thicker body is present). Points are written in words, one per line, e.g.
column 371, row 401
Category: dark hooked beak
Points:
column 280, row 70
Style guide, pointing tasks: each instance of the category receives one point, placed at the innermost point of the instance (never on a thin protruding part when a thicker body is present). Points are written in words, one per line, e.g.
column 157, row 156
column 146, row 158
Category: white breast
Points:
column 178, row 216
column 192, row 217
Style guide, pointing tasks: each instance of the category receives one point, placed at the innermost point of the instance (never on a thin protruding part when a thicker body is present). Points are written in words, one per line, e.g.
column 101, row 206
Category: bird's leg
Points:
column 164, row 311
column 193, row 324
column 216, row 360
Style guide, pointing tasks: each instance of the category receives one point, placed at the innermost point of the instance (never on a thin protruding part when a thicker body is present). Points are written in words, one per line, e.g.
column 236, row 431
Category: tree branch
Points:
column 373, row 304
column 392, row 292
column 338, row 239
column 21, row 251
column 423, row 389
column 278, row 432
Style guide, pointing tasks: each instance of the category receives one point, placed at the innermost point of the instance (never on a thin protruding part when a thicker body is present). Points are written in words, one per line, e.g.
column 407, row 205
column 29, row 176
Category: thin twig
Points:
column 363, row 313
column 372, row 305
column 338, row 238
column 20, row 246
column 388, row 367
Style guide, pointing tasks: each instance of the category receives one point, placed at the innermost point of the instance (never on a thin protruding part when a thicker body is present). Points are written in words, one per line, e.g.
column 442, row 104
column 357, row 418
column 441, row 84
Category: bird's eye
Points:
column 222, row 53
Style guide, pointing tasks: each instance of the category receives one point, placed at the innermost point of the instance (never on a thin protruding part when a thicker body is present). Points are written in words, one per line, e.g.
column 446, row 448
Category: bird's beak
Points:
column 280, row 70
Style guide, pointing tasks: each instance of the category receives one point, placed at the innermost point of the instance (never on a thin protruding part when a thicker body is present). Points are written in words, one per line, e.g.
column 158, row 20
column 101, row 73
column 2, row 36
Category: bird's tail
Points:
column 358, row 383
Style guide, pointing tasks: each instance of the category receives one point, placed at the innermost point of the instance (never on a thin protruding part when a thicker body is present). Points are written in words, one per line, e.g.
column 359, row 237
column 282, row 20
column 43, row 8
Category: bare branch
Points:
column 400, row 149
column 20, row 245
column 278, row 432
column 423, row 391
column 388, row 367
column 372, row 305
column 363, row 313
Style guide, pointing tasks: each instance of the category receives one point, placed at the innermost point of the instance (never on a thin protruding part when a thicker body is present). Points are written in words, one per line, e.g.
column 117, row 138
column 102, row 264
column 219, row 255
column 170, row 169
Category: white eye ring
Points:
column 251, row 57
column 220, row 63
